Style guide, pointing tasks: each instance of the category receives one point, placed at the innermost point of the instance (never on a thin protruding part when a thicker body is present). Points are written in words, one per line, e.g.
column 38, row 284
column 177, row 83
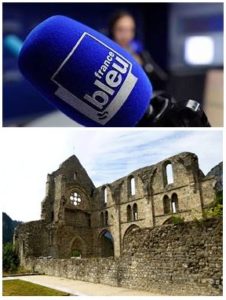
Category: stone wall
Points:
column 184, row 259
column 33, row 239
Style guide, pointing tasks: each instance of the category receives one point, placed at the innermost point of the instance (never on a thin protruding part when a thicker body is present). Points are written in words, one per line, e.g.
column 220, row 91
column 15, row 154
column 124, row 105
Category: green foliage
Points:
column 10, row 258
column 76, row 253
column 177, row 220
column 219, row 198
column 214, row 212
column 217, row 209
column 23, row 288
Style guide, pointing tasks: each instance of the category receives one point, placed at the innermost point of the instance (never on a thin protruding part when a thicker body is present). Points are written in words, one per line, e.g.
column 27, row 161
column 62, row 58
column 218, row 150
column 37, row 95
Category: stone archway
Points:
column 106, row 244
column 168, row 221
column 129, row 230
column 78, row 247
column 166, row 204
column 174, row 201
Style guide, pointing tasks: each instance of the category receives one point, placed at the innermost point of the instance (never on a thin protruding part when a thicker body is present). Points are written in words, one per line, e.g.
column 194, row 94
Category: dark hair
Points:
column 114, row 19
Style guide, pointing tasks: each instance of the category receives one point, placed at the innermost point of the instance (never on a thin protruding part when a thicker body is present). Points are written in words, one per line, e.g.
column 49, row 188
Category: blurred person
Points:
column 122, row 29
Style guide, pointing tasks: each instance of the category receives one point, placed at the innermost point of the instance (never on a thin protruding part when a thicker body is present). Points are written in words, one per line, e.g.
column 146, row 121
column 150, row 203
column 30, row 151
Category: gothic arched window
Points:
column 131, row 186
column 174, row 201
column 166, row 205
column 129, row 213
column 135, row 212
column 105, row 195
column 168, row 177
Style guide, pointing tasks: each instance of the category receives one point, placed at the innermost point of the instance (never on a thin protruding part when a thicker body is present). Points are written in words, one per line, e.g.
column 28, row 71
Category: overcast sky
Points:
column 28, row 154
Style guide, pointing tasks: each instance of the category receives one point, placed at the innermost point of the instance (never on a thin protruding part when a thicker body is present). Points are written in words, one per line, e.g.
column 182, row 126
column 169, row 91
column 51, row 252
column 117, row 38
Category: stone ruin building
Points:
column 79, row 219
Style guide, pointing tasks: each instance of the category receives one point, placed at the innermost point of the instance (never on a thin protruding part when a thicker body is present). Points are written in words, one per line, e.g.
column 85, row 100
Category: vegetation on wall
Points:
column 216, row 210
column 177, row 219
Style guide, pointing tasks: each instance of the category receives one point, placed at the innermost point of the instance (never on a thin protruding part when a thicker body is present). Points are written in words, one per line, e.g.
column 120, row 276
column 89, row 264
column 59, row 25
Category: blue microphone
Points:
column 85, row 74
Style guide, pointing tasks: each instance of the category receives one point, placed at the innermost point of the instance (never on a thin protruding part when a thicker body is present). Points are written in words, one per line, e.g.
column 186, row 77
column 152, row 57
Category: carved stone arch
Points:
column 82, row 193
column 168, row 221
column 106, row 187
column 168, row 177
column 130, row 228
column 131, row 191
column 78, row 247
column 135, row 212
column 166, row 204
column 106, row 243
column 77, row 207
column 175, row 202
column 129, row 213
column 128, row 231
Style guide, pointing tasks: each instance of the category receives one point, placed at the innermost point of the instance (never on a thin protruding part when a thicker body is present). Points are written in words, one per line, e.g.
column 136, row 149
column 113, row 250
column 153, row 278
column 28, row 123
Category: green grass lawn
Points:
column 19, row 287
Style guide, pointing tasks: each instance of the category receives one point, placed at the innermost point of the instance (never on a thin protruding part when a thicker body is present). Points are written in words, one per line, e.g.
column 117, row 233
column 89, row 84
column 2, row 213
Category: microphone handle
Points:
column 165, row 111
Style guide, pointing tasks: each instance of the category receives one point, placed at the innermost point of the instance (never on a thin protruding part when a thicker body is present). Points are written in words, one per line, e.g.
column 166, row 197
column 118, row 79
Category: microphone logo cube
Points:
column 94, row 79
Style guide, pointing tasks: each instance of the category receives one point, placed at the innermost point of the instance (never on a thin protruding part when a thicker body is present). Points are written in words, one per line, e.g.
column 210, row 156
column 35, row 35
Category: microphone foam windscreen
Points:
column 85, row 74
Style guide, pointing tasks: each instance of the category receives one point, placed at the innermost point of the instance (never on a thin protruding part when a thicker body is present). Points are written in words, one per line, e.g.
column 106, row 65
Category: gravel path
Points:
column 80, row 288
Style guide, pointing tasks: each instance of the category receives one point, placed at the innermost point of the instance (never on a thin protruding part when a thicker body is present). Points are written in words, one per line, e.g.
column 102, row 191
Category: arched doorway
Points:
column 78, row 247
column 168, row 221
column 106, row 243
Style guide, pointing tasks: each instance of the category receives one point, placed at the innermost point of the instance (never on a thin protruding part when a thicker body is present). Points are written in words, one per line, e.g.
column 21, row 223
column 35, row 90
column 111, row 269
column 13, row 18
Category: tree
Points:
column 10, row 258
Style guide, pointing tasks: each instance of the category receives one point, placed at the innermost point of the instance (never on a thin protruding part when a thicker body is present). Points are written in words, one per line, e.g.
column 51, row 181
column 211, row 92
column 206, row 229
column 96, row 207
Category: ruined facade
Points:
column 79, row 219
column 184, row 259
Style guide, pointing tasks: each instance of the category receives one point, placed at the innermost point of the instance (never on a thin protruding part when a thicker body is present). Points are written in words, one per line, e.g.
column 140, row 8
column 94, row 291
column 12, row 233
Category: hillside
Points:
column 218, row 172
column 8, row 227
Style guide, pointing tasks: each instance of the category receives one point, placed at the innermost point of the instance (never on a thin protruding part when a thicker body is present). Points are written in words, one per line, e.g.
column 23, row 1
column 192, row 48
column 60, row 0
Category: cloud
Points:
column 28, row 155
column 136, row 151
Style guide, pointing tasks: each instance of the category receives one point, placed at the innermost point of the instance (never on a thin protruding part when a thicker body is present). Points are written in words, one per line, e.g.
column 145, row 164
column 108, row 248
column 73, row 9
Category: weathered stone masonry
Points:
column 184, row 259
column 79, row 219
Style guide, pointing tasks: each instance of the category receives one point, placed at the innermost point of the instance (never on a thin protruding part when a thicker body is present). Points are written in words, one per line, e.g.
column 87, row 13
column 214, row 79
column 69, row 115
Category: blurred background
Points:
column 182, row 44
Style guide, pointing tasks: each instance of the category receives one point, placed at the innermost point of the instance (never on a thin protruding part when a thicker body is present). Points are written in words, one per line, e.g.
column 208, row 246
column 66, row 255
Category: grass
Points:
column 19, row 287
